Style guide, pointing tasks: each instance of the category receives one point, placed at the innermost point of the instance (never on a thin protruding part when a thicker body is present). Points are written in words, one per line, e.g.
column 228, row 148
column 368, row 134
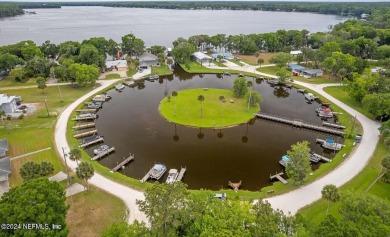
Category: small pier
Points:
column 181, row 174
column 146, row 177
column 83, row 126
column 86, row 110
column 104, row 153
column 100, row 139
column 300, row 124
column 279, row 177
column 319, row 157
column 123, row 163
column 333, row 125
column 84, row 118
column 84, row 134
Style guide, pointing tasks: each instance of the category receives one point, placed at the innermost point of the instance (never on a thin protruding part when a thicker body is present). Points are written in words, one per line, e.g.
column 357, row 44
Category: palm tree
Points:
column 75, row 155
column 201, row 99
column 260, row 61
column 174, row 94
column 385, row 167
column 222, row 99
column 85, row 171
column 330, row 193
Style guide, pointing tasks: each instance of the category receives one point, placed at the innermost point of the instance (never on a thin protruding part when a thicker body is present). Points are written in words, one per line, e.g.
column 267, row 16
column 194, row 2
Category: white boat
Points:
column 154, row 77
column 94, row 105
column 285, row 159
column 101, row 98
column 86, row 116
column 129, row 83
column 310, row 96
column 157, row 171
column 119, row 87
column 273, row 82
column 172, row 176
column 330, row 144
column 100, row 149
column 326, row 113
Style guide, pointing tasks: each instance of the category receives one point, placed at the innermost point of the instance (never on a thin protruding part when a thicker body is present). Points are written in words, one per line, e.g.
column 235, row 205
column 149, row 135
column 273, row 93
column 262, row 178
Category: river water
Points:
column 131, row 123
column 154, row 26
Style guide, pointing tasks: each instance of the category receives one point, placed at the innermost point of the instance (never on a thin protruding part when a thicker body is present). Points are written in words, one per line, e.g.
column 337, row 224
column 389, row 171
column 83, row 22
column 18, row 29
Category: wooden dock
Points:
column 279, row 177
column 83, row 126
column 181, row 174
column 103, row 154
column 333, row 125
column 84, row 134
column 92, row 142
column 123, row 163
column 321, row 157
column 84, row 118
column 86, row 110
column 300, row 124
column 146, row 177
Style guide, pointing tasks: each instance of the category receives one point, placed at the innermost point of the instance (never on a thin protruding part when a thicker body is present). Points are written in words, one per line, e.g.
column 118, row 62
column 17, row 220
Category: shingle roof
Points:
column 201, row 56
column 5, row 166
column 147, row 57
column 3, row 147
column 4, row 99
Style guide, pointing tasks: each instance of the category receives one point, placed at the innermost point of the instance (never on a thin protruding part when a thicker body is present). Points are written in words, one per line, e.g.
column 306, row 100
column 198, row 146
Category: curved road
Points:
column 288, row 202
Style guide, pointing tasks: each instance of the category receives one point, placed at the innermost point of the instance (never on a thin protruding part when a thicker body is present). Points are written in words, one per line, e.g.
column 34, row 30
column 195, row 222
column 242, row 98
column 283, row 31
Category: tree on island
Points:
column 240, row 87
column 85, row 171
column 283, row 74
column 38, row 201
column 201, row 99
column 330, row 193
column 253, row 98
column 298, row 165
column 41, row 84
column 174, row 95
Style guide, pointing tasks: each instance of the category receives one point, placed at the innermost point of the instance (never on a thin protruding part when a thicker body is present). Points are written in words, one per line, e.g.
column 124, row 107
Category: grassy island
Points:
column 215, row 112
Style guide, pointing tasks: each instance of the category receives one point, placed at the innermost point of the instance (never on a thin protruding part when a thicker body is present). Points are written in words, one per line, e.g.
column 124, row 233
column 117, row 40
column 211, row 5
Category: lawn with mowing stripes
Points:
column 215, row 113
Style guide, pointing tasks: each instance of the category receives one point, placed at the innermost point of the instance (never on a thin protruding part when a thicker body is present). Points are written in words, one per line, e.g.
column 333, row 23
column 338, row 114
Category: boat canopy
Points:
column 329, row 140
column 159, row 167
column 285, row 158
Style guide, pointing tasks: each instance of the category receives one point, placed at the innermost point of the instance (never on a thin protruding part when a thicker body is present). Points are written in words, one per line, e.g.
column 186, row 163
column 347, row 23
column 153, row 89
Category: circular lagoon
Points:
column 250, row 152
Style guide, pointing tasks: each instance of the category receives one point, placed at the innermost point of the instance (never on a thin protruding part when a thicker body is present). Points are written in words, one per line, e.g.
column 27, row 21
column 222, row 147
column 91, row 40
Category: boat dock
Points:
column 84, row 118
column 100, row 139
column 333, row 125
column 146, row 177
column 86, row 110
column 300, row 124
column 279, row 177
column 123, row 163
column 84, row 134
column 85, row 125
column 319, row 157
column 181, row 174
column 103, row 153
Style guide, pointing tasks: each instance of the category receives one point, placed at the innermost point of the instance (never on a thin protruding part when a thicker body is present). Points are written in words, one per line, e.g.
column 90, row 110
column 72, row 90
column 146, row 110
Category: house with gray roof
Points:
column 147, row 59
column 313, row 72
column 8, row 104
column 200, row 57
column 3, row 147
column 5, row 168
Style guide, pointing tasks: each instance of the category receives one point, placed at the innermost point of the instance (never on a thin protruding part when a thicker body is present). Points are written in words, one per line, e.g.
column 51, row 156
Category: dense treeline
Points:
column 336, row 8
column 7, row 10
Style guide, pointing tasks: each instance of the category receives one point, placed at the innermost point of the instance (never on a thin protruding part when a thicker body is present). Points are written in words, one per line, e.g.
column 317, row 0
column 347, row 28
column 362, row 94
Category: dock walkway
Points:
column 100, row 139
column 279, row 177
column 123, row 163
column 84, row 125
column 146, row 177
column 104, row 153
column 84, row 134
column 300, row 124
column 181, row 174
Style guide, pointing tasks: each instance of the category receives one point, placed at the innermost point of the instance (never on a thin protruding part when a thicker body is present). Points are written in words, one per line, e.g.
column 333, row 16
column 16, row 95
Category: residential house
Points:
column 118, row 65
column 3, row 147
column 295, row 52
column 226, row 55
column 9, row 104
column 295, row 67
column 5, row 171
column 312, row 72
column 200, row 57
column 147, row 60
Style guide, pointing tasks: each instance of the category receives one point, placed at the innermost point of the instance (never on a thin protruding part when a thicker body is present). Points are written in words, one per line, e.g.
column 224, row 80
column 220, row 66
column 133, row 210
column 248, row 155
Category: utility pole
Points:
column 47, row 109
column 66, row 166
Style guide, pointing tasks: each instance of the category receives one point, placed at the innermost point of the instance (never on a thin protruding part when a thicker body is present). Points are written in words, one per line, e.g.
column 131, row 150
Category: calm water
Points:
column 130, row 121
column 154, row 26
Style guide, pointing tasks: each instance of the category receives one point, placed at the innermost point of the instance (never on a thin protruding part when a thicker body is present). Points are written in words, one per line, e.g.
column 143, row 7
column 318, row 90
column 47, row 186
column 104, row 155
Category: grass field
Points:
column 197, row 68
column 219, row 64
column 8, row 82
column 236, row 62
column 92, row 211
column 113, row 76
column 161, row 70
column 215, row 113
column 252, row 60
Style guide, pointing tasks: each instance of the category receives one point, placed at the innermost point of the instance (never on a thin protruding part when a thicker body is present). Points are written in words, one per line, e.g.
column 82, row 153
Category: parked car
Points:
column 22, row 107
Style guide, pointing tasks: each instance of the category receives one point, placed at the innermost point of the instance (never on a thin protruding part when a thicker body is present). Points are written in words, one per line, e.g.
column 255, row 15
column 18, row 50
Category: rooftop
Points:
column 116, row 63
column 147, row 57
column 201, row 56
column 5, row 166
column 5, row 99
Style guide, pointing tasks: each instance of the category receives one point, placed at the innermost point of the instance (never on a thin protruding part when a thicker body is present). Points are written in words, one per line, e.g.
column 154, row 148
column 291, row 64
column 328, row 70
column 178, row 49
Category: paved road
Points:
column 128, row 195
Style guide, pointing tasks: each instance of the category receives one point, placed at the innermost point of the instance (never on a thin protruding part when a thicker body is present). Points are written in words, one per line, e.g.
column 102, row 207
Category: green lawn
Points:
column 236, row 62
column 131, row 72
column 197, row 68
column 215, row 113
column 8, row 82
column 113, row 76
column 341, row 94
column 92, row 211
column 161, row 70
column 219, row 64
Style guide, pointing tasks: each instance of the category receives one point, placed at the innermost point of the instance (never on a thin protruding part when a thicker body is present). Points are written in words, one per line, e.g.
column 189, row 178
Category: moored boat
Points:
column 330, row 144
column 157, row 171
column 285, row 159
column 101, row 149
column 119, row 87
column 153, row 77
column 172, row 176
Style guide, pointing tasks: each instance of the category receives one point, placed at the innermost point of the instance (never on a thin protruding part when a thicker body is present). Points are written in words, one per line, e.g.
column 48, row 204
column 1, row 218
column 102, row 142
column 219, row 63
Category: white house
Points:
column 118, row 65
column 295, row 52
column 8, row 104
column 200, row 57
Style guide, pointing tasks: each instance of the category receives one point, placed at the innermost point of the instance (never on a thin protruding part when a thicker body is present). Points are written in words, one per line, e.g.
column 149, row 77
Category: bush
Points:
column 21, row 116
column 9, row 117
